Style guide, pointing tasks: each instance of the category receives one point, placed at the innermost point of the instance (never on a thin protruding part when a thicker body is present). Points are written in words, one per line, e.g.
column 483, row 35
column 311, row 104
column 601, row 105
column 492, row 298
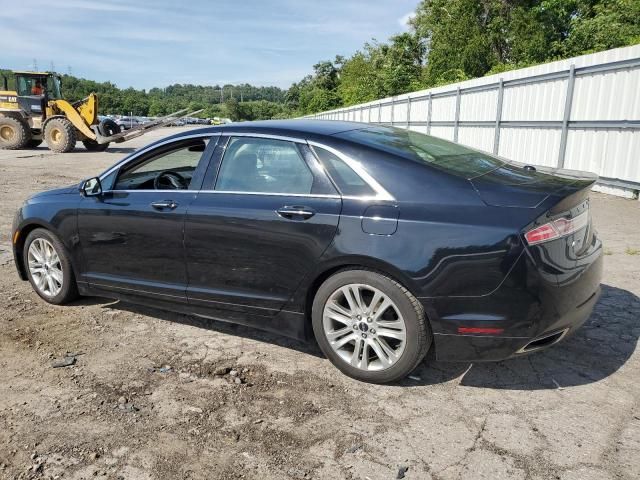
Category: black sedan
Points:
column 379, row 242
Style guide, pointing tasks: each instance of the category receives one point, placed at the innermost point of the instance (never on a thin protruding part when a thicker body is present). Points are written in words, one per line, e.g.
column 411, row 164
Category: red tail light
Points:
column 556, row 229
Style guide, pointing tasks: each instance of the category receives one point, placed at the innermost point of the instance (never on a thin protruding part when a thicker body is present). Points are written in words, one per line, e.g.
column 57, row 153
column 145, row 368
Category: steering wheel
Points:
column 169, row 180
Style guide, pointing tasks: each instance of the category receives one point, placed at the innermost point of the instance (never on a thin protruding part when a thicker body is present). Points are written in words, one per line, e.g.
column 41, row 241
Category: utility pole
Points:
column 52, row 67
column 35, row 65
column 222, row 94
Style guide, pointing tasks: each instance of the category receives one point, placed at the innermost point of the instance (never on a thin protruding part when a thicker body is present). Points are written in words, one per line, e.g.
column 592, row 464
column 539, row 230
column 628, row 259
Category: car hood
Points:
column 57, row 191
column 517, row 185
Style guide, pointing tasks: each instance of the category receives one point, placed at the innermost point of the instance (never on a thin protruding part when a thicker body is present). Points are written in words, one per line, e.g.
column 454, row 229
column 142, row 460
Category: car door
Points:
column 131, row 236
column 263, row 218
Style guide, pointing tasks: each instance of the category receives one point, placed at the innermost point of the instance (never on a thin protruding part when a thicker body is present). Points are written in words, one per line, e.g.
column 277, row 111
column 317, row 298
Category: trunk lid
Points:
column 517, row 185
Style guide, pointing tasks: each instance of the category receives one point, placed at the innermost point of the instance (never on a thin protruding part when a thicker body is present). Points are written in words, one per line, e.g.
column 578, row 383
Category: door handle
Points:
column 164, row 204
column 295, row 212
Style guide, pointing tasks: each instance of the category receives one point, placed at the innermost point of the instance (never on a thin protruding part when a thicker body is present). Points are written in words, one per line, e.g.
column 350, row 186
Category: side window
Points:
column 348, row 182
column 172, row 168
column 260, row 165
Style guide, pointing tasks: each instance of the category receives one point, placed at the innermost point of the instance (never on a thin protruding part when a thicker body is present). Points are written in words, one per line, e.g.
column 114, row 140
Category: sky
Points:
column 155, row 43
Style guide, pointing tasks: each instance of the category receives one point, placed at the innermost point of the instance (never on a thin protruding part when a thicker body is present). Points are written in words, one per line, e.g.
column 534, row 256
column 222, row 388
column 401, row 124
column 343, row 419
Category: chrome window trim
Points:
column 265, row 135
column 356, row 166
column 146, row 149
column 274, row 194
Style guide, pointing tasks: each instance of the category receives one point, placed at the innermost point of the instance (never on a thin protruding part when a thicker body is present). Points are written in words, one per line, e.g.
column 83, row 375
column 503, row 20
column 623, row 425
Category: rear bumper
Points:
column 479, row 348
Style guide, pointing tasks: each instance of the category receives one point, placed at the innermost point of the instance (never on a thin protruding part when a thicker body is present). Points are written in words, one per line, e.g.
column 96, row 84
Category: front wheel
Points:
column 60, row 135
column 369, row 326
column 49, row 268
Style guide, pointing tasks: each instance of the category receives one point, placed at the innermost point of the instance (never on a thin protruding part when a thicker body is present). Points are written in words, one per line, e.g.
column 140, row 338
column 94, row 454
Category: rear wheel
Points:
column 94, row 146
column 369, row 326
column 60, row 135
column 14, row 134
column 49, row 268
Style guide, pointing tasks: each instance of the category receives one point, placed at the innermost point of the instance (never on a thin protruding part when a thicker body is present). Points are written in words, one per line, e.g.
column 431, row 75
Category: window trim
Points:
column 381, row 192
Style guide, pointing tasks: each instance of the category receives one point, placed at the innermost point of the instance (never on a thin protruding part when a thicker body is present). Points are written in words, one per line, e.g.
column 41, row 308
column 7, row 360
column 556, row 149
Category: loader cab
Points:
column 35, row 89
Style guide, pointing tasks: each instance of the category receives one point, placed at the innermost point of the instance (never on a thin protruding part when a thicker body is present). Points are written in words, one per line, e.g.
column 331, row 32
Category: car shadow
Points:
column 597, row 350
column 236, row 330
column 601, row 347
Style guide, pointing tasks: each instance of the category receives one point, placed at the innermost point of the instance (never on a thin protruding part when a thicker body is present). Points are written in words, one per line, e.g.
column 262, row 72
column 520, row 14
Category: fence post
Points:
column 457, row 119
column 496, row 133
column 369, row 118
column 408, row 112
column 380, row 112
column 429, row 115
column 566, row 116
column 393, row 103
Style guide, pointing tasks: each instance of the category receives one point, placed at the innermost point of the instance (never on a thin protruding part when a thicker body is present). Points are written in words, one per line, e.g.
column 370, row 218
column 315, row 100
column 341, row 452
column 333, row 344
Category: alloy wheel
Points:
column 45, row 267
column 364, row 327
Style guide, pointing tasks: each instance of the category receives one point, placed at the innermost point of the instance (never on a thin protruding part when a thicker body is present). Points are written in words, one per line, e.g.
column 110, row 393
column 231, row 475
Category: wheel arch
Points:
column 348, row 263
column 18, row 247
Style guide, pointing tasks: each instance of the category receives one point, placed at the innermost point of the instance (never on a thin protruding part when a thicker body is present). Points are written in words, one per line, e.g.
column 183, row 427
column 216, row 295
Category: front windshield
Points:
column 450, row 157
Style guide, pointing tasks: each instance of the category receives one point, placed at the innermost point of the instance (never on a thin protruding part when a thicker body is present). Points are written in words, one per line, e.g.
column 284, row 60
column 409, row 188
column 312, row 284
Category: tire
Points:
column 60, row 135
column 108, row 127
column 94, row 146
column 33, row 143
column 60, row 291
column 14, row 134
column 404, row 311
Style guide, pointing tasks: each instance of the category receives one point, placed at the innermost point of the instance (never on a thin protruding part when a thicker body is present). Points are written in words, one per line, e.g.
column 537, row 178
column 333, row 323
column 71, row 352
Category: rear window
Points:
column 441, row 154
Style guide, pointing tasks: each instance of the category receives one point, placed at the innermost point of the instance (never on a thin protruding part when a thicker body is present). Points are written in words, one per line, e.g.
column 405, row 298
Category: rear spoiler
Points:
column 142, row 129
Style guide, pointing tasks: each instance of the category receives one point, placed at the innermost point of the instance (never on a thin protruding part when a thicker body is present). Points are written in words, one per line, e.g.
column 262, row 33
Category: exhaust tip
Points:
column 544, row 341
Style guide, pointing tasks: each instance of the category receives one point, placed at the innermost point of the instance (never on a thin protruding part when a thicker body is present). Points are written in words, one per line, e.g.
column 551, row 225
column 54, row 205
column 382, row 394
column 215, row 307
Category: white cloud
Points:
column 405, row 19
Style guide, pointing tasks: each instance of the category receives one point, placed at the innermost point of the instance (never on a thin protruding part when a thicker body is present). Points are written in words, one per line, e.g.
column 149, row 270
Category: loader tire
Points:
column 14, row 134
column 108, row 127
column 60, row 135
column 94, row 146
column 34, row 143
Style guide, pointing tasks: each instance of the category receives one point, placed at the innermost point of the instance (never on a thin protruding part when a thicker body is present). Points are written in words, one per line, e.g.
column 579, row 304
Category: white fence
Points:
column 581, row 113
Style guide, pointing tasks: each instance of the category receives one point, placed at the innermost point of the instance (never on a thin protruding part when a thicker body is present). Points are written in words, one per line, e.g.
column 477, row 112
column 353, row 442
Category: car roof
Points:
column 298, row 127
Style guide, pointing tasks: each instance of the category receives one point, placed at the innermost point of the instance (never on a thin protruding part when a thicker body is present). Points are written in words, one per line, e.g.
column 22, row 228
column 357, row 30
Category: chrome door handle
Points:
column 164, row 204
column 295, row 212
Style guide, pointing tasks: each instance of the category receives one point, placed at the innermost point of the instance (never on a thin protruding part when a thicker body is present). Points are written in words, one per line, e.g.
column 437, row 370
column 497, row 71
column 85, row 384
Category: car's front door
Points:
column 131, row 236
column 253, row 233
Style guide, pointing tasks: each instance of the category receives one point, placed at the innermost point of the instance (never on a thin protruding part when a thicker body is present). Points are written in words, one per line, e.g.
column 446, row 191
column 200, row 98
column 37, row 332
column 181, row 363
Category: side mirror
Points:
column 91, row 187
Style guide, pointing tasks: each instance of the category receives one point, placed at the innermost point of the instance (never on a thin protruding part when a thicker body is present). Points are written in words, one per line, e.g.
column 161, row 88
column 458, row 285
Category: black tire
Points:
column 69, row 290
column 94, row 146
column 60, row 135
column 108, row 127
column 33, row 143
column 418, row 333
column 14, row 134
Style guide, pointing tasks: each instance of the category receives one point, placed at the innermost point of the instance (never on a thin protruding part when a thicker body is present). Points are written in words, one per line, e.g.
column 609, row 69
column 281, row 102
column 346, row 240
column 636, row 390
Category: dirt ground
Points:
column 151, row 395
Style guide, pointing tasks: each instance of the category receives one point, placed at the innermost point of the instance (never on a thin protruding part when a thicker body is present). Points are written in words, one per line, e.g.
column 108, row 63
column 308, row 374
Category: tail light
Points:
column 557, row 228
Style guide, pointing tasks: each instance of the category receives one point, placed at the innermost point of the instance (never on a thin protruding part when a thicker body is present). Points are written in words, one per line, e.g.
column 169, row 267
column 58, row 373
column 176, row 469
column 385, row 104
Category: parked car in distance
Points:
column 127, row 123
column 380, row 242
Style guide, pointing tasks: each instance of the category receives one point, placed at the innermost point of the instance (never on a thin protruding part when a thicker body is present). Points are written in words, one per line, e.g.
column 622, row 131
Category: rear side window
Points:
column 260, row 165
column 348, row 182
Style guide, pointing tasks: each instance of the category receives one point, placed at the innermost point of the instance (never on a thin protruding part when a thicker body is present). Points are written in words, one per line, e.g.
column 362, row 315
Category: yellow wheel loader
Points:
column 35, row 111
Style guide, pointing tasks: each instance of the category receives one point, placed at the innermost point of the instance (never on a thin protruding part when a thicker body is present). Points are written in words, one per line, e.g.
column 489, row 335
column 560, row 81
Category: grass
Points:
column 608, row 251
column 632, row 251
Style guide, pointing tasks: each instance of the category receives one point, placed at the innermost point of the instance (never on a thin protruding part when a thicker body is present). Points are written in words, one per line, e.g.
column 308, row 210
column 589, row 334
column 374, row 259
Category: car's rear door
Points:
column 263, row 218
column 131, row 236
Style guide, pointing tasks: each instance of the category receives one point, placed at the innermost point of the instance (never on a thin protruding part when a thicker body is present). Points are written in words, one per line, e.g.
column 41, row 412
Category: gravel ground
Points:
column 156, row 395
